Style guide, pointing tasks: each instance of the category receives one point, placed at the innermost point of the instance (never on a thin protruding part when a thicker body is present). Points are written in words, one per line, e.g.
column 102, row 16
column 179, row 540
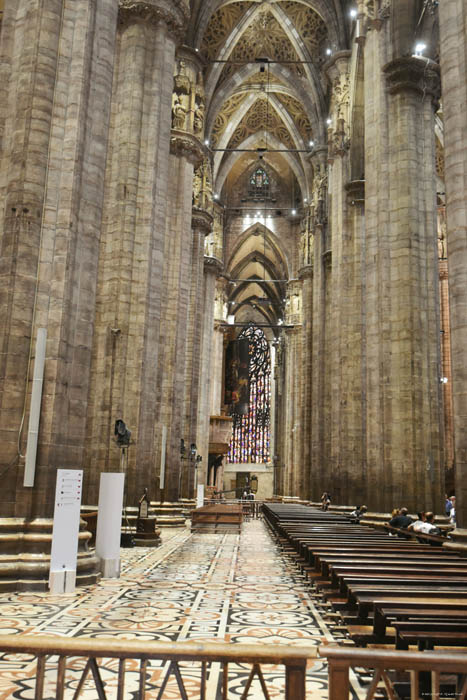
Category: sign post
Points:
column 65, row 534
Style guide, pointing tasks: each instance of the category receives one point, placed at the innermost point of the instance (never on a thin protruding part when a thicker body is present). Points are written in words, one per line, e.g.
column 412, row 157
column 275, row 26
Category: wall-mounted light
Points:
column 311, row 144
column 328, row 121
column 353, row 13
column 419, row 49
column 294, row 211
column 328, row 52
column 206, row 142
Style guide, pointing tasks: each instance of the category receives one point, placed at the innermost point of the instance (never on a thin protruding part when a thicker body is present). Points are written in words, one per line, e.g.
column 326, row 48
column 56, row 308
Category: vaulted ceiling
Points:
column 265, row 89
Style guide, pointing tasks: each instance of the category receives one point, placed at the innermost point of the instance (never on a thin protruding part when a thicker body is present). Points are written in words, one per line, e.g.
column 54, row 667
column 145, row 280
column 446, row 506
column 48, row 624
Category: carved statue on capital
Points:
column 442, row 229
column 198, row 118
column 320, row 193
column 179, row 112
column 202, row 186
column 293, row 304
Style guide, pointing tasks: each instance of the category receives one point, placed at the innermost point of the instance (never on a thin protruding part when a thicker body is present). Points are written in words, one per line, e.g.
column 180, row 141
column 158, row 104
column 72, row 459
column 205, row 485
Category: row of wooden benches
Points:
column 388, row 590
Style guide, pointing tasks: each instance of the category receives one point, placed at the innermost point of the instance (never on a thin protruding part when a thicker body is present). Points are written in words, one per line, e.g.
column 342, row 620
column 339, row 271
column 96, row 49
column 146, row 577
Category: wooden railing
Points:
column 293, row 658
column 431, row 664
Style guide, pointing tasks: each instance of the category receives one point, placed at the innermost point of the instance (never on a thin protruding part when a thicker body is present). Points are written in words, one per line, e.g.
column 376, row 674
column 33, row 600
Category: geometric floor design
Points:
column 235, row 588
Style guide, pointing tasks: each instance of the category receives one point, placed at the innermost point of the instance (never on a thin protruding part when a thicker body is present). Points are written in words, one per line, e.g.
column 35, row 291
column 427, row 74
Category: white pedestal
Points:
column 109, row 523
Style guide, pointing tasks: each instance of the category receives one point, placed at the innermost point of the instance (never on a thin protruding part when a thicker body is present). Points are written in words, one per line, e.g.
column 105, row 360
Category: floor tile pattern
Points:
column 228, row 587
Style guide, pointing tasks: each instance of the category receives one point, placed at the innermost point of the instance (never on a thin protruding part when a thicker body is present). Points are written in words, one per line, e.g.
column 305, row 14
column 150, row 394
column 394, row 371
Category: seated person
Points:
column 418, row 525
column 359, row 512
column 402, row 520
column 428, row 527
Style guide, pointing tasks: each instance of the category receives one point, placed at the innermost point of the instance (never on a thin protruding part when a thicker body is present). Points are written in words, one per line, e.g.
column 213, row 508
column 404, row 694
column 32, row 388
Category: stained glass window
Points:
column 251, row 432
column 259, row 184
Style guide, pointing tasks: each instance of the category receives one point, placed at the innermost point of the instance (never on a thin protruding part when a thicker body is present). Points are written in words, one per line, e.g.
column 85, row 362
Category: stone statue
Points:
column 198, row 120
column 178, row 113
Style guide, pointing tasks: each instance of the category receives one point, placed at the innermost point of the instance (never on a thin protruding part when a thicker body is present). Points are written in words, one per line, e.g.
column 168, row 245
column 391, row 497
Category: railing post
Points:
column 338, row 680
column 295, row 682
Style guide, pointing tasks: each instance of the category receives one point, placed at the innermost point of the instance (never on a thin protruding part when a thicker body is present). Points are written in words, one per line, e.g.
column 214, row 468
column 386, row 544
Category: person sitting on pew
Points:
column 402, row 521
column 325, row 500
column 358, row 513
column 428, row 527
column 418, row 525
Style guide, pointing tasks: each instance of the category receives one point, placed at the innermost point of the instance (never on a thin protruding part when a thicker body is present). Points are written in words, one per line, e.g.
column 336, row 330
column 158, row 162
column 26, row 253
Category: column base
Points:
column 25, row 555
column 110, row 568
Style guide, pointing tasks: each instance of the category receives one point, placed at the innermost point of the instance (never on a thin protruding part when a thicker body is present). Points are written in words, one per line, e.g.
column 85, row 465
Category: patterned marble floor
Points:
column 235, row 588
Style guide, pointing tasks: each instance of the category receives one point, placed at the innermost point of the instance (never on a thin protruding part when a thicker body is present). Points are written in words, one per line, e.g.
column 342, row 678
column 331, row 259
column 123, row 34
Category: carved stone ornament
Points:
column 414, row 74
column 305, row 272
column 174, row 13
column 355, row 192
column 213, row 265
column 186, row 146
column 201, row 220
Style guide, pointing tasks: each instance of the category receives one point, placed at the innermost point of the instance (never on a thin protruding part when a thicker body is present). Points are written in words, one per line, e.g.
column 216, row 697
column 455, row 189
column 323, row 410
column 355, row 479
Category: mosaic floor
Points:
column 228, row 587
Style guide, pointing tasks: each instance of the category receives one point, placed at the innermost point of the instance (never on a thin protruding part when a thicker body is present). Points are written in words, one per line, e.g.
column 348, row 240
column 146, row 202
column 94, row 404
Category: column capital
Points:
column 414, row 74
column 305, row 272
column 213, row 265
column 174, row 13
column 201, row 220
column 187, row 146
column 355, row 192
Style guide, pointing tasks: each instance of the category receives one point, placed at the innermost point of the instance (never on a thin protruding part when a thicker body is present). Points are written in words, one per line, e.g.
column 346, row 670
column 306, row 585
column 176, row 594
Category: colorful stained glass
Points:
column 251, row 432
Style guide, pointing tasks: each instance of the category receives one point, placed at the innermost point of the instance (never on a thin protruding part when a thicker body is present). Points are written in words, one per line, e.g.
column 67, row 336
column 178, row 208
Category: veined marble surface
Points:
column 235, row 588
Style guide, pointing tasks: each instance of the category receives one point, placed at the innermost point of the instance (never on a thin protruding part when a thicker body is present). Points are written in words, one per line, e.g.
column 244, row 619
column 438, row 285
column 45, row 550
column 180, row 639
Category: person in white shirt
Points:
column 428, row 528
column 419, row 524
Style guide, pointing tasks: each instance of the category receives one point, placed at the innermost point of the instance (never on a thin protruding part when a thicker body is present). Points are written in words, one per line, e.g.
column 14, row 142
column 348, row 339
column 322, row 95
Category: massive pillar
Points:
column 294, row 396
column 305, row 274
column 453, row 41
column 212, row 268
column 321, row 261
column 133, row 280
column 51, row 188
column 404, row 453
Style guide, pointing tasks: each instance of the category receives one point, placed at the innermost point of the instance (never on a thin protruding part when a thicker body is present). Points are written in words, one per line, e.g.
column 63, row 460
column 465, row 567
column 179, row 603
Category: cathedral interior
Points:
column 239, row 227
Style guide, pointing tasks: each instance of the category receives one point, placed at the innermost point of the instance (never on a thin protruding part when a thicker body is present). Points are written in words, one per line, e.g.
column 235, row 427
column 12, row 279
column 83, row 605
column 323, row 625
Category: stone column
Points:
column 320, row 254
column 338, row 356
column 402, row 325
column 132, row 285
column 453, row 42
column 212, row 268
column 354, row 446
column 51, row 186
column 305, row 274
column 294, row 396
column 175, row 323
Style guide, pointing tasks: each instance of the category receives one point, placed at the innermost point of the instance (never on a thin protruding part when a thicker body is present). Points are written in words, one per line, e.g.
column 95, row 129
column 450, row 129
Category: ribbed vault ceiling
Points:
column 265, row 89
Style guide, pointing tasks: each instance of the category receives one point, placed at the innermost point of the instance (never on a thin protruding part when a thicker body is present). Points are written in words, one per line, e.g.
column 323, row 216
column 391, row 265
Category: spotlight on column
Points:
column 419, row 49
column 123, row 435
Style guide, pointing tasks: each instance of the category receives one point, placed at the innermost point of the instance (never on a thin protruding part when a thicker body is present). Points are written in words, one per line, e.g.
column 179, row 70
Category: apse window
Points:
column 259, row 184
column 248, row 393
